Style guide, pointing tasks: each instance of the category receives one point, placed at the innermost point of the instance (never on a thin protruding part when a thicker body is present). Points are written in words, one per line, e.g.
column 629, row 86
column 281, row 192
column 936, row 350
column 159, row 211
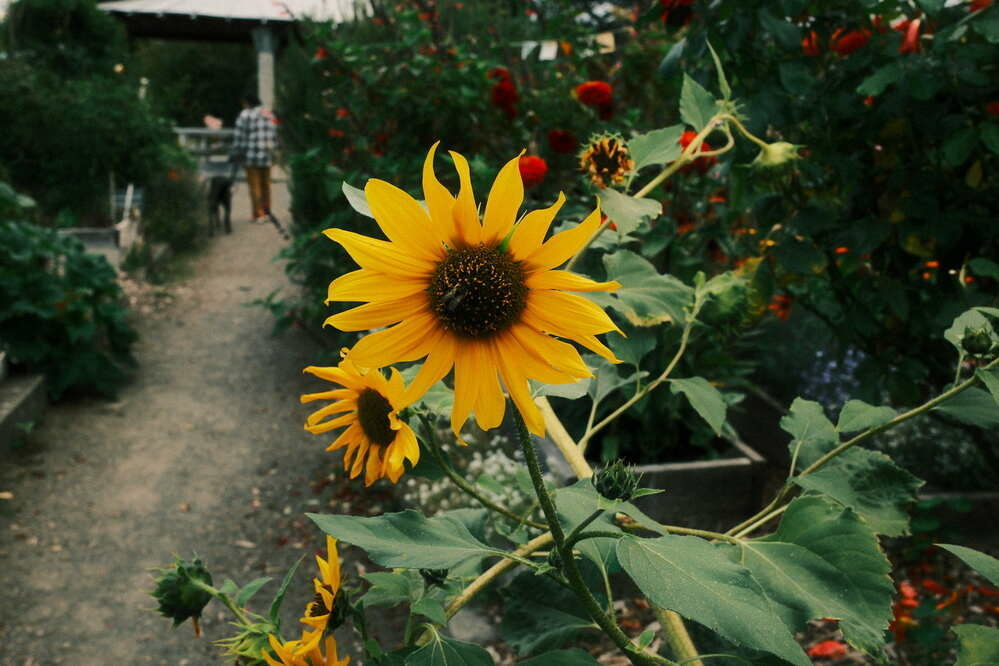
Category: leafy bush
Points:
column 61, row 308
column 175, row 211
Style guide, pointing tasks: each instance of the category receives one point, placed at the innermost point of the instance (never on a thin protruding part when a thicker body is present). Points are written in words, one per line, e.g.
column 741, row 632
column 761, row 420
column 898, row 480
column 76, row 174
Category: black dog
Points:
column 219, row 203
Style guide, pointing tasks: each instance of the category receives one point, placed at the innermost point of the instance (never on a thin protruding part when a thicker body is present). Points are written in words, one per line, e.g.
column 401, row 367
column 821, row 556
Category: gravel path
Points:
column 203, row 452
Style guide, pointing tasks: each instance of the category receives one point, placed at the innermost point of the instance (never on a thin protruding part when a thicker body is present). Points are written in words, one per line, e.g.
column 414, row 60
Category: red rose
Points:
column 828, row 650
column 532, row 170
column 810, row 44
column 562, row 141
column 701, row 164
column 594, row 93
column 845, row 42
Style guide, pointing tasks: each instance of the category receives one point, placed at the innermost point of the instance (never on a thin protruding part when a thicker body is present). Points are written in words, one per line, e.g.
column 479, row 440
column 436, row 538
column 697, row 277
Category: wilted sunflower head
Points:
column 606, row 160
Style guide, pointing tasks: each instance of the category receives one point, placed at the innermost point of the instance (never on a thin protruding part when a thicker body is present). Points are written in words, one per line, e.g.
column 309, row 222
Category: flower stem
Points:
column 572, row 573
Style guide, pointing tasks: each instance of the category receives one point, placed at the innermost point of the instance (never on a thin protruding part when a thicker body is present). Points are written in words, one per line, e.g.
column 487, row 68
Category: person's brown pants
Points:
column 259, row 180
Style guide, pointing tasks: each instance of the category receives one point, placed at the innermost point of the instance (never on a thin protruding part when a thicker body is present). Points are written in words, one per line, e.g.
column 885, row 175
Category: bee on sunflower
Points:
column 606, row 160
column 481, row 297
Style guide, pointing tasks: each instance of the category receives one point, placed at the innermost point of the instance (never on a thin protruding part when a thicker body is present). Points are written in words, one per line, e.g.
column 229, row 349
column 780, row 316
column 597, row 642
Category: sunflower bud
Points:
column 776, row 154
column 616, row 481
column 251, row 644
column 434, row 577
column 178, row 591
column 977, row 341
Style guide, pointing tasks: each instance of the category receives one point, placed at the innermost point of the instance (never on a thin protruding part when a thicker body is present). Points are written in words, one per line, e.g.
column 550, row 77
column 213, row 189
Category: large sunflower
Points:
column 481, row 297
column 368, row 406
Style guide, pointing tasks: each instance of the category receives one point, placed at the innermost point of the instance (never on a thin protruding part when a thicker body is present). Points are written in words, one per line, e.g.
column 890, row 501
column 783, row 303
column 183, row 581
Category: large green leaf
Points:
column 979, row 645
column 659, row 146
column 813, row 433
column 632, row 349
column 973, row 406
column 823, row 561
column 628, row 212
column 704, row 398
column 388, row 588
column 986, row 23
column 444, row 651
column 690, row 576
column 970, row 319
column 574, row 657
column 984, row 564
column 991, row 380
column 646, row 298
column 871, row 484
column 407, row 539
column 541, row 614
column 575, row 504
column 858, row 415
column 697, row 105
column 882, row 77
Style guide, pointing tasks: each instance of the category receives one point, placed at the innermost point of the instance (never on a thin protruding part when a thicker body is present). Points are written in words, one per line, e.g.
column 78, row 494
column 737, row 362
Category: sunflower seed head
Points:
column 177, row 591
column 616, row 481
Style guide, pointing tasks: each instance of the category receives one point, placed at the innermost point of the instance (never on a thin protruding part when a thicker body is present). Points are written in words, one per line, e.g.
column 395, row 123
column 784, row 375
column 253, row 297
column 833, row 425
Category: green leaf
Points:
column 871, row 484
column 984, row 564
column 989, row 134
column 388, row 588
column 858, row 415
column 974, row 407
column 991, row 380
column 958, row 147
column 575, row 504
column 574, row 657
column 407, row 539
column 823, row 561
column 659, row 146
column 541, row 614
column 723, row 86
column 979, row 645
column 229, row 587
column 357, row 199
column 982, row 266
column 251, row 589
column 632, row 349
column 972, row 319
column 606, row 378
column 444, row 651
column 571, row 391
column 785, row 33
column 274, row 612
column 704, row 398
column 697, row 105
column 646, row 298
column 813, row 433
column 628, row 212
column 690, row 576
column 430, row 607
column 882, row 77
column 796, row 77
column 931, row 7
column 986, row 24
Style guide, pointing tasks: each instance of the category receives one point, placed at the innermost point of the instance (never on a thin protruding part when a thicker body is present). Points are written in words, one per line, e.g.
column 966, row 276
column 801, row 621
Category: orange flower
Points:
column 532, row 170
column 842, row 249
column 702, row 164
column 780, row 306
column 910, row 42
column 828, row 650
column 594, row 93
column 810, row 44
column 844, row 42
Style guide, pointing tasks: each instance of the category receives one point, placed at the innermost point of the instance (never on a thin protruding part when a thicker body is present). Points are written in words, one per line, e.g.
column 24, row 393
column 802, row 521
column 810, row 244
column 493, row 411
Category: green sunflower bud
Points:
column 434, row 577
column 977, row 341
column 776, row 154
column 250, row 645
column 616, row 481
column 179, row 592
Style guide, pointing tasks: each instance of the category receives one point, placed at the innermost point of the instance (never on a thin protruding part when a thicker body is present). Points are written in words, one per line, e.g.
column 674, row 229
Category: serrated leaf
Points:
column 823, row 561
column 274, row 612
column 697, row 105
column 606, row 378
column 627, row 212
column 972, row 319
column 991, row 380
column 444, row 651
column 882, row 77
column 575, row 657
column 973, row 406
column 575, row 504
column 388, row 588
column 646, row 297
column 871, row 484
column 690, row 576
column 984, row 564
column 357, row 199
column 858, row 415
column 541, row 614
column 723, row 86
column 632, row 349
column 659, row 146
column 430, row 607
column 979, row 645
column 407, row 539
column 813, row 433
column 251, row 589
column 706, row 400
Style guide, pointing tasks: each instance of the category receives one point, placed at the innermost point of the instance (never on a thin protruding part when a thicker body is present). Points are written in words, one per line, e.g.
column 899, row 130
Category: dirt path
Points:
column 202, row 452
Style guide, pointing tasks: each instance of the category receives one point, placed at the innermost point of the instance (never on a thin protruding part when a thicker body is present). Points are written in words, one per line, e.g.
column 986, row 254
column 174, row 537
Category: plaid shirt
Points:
column 256, row 137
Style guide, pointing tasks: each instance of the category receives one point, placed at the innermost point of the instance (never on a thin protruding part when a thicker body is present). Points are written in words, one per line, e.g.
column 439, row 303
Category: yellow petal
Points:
column 435, row 368
column 570, row 313
column 490, row 403
column 376, row 315
column 381, row 256
column 468, row 231
column 557, row 249
column 367, row 285
column 530, row 232
column 440, row 203
column 533, row 366
column 466, row 385
column 332, row 424
column 403, row 220
column 350, row 435
column 332, row 408
column 503, row 203
column 561, row 356
column 516, row 385
column 332, row 577
column 567, row 281
column 335, row 375
column 336, row 394
column 408, row 340
column 373, row 470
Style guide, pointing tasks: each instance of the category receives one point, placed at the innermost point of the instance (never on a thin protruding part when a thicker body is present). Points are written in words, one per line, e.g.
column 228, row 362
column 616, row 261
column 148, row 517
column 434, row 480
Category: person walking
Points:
column 253, row 147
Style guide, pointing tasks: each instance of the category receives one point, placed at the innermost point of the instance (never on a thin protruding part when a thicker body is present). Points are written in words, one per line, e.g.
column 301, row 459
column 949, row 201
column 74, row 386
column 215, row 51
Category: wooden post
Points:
column 263, row 41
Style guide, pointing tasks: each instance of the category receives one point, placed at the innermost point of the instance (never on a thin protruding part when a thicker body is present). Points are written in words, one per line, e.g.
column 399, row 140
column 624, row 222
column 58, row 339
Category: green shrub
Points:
column 175, row 210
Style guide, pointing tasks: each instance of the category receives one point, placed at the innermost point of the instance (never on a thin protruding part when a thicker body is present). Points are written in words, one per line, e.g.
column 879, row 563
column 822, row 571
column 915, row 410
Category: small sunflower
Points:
column 481, row 297
column 606, row 160
column 376, row 440
column 319, row 611
column 305, row 651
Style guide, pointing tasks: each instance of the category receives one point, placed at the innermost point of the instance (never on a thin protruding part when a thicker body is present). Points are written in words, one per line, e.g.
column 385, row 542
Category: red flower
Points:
column 828, row 650
column 907, row 591
column 929, row 584
column 910, row 42
column 979, row 5
column 562, row 141
column 532, row 170
column 321, row 53
column 869, row 100
column 594, row 93
column 845, row 42
column 810, row 45
column 702, row 164
column 992, row 108
column 842, row 249
column 780, row 305
column 677, row 13
column 504, row 96
column 173, row 175
column 335, row 133
column 342, row 113
column 501, row 73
